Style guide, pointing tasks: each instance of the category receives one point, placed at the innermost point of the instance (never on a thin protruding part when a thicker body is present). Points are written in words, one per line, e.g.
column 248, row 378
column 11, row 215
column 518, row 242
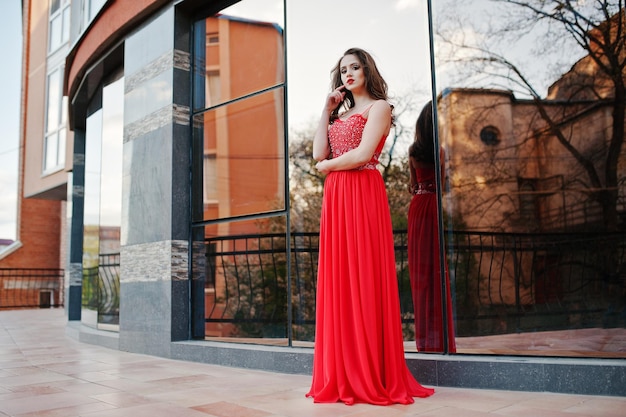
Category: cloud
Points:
column 407, row 4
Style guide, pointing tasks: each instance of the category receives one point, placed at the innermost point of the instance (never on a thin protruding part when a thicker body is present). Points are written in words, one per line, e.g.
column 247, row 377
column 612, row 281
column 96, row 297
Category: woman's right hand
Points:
column 335, row 98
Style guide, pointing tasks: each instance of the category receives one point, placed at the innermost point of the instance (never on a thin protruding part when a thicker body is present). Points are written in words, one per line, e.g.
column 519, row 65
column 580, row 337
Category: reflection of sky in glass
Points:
column 395, row 32
column 263, row 10
column 93, row 158
column 467, row 23
column 319, row 32
column 112, row 140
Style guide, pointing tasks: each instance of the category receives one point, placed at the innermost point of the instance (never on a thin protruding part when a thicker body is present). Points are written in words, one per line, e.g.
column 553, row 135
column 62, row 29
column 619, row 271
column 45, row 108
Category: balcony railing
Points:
column 101, row 288
column 31, row 287
column 501, row 283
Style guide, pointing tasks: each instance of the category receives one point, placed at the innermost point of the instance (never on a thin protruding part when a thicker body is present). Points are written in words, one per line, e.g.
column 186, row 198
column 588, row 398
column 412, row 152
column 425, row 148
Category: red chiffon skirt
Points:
column 359, row 352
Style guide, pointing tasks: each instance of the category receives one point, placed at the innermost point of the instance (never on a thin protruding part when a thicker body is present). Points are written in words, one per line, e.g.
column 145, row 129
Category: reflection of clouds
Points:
column 407, row 4
column 112, row 149
column 263, row 10
column 396, row 33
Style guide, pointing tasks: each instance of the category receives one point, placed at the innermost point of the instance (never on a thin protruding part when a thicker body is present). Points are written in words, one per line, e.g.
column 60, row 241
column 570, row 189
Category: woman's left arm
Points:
column 377, row 125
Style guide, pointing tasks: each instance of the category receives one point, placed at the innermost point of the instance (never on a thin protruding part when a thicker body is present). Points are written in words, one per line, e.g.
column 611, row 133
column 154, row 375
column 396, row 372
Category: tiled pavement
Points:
column 45, row 373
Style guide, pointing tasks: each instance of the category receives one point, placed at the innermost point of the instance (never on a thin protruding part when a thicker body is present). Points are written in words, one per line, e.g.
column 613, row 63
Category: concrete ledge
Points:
column 290, row 360
column 588, row 376
column 583, row 376
column 86, row 334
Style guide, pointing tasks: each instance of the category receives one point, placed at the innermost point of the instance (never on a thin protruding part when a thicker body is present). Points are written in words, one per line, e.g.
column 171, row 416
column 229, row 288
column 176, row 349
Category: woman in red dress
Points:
column 359, row 352
column 423, row 242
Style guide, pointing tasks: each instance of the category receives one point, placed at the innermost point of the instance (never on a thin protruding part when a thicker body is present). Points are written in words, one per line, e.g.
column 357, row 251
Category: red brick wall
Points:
column 40, row 234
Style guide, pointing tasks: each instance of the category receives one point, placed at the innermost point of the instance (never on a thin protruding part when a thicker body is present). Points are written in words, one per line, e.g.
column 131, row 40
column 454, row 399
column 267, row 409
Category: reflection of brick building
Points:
column 510, row 170
column 507, row 170
column 243, row 141
column 242, row 176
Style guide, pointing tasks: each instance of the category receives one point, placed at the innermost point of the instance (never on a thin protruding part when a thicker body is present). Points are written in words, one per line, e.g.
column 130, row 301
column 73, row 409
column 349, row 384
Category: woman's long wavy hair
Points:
column 374, row 82
column 423, row 147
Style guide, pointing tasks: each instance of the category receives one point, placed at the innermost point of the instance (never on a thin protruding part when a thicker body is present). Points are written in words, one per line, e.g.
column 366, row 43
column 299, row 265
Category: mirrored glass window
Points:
column 102, row 210
column 529, row 115
column 238, row 52
column 240, row 276
column 240, row 279
column 243, row 157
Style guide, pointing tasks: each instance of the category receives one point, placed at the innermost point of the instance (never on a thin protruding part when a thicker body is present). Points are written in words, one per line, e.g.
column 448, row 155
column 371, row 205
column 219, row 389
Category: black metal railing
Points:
column 31, row 287
column 501, row 282
column 101, row 288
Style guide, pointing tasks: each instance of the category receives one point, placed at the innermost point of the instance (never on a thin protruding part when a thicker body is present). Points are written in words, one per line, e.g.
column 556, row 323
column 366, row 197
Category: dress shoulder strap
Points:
column 365, row 112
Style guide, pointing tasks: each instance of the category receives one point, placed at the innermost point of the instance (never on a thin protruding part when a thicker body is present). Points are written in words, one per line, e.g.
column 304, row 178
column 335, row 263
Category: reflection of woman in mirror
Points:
column 359, row 352
column 423, row 241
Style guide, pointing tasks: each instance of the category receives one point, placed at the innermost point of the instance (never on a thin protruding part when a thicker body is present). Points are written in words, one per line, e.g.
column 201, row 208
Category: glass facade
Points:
column 239, row 190
column 535, row 204
column 528, row 271
column 102, row 208
column 531, row 201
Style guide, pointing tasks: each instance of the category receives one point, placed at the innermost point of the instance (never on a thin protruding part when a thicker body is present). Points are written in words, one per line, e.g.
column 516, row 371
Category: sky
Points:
column 10, row 74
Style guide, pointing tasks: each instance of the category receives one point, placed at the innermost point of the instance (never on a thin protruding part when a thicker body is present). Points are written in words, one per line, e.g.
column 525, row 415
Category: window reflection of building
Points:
column 484, row 177
column 541, row 186
column 243, row 139
column 240, row 105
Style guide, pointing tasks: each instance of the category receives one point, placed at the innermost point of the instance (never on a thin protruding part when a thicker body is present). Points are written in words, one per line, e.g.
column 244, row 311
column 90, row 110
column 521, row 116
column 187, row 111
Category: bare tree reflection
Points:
column 561, row 150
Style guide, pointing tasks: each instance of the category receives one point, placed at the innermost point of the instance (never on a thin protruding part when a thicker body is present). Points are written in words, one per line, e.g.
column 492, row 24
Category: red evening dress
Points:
column 424, row 268
column 359, row 352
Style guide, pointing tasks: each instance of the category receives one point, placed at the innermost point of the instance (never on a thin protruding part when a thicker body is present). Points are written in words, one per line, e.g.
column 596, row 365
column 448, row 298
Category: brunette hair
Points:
column 423, row 146
column 374, row 82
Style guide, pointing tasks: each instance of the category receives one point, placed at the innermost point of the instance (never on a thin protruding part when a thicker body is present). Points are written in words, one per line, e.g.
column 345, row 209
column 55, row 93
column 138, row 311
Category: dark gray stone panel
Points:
column 147, row 183
column 424, row 370
column 275, row 359
column 145, row 317
column 599, row 378
column 490, row 374
column 149, row 42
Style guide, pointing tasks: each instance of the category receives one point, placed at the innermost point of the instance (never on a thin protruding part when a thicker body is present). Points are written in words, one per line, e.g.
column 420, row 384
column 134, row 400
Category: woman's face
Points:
column 352, row 74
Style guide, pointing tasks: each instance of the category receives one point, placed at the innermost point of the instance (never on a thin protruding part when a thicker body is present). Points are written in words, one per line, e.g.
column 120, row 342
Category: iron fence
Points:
column 500, row 283
column 101, row 288
column 31, row 287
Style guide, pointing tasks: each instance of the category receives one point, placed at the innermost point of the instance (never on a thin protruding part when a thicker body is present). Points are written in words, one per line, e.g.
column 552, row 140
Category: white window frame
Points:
column 58, row 25
column 55, row 124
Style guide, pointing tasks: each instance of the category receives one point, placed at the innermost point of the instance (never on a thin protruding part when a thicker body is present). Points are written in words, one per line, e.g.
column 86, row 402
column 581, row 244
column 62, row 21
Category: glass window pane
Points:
column 54, row 6
column 51, row 149
column 54, row 101
column 56, row 28
column 532, row 215
column 239, row 52
column 244, row 157
column 94, row 7
column 91, row 219
column 66, row 25
column 240, row 281
column 309, row 69
column 112, row 142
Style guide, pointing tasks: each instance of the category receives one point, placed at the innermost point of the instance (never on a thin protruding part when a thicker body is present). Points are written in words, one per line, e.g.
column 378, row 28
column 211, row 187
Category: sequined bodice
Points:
column 345, row 135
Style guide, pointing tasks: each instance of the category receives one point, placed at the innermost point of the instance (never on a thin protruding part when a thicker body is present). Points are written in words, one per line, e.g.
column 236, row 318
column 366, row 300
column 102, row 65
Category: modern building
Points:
column 154, row 158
